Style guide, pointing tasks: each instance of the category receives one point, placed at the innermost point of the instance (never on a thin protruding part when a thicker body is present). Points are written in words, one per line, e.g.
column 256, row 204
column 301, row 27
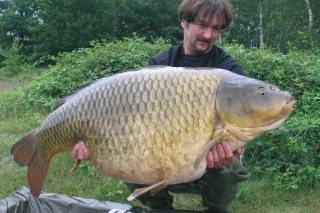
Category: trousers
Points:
column 218, row 187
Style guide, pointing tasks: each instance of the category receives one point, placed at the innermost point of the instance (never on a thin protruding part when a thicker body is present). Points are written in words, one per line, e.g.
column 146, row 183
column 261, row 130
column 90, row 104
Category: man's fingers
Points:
column 80, row 151
column 221, row 153
column 86, row 154
column 240, row 151
column 228, row 154
column 216, row 161
column 75, row 150
column 210, row 163
column 80, row 155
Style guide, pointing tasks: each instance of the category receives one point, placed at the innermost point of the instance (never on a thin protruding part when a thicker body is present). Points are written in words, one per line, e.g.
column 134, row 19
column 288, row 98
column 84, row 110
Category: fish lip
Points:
column 289, row 107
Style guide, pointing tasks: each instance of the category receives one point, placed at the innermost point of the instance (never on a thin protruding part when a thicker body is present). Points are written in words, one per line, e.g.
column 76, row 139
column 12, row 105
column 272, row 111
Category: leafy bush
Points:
column 82, row 66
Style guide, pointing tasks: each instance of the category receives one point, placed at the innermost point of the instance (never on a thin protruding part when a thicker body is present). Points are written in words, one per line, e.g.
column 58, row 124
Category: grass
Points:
column 255, row 195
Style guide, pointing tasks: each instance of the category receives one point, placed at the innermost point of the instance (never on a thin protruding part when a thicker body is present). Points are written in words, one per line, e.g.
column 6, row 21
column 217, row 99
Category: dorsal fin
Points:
column 70, row 95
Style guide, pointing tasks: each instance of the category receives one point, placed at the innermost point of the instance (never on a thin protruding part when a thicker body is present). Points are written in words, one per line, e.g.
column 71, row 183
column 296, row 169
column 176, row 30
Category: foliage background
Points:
column 49, row 27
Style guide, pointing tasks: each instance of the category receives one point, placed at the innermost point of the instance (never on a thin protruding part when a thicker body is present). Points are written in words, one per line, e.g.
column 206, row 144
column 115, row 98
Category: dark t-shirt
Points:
column 184, row 60
column 216, row 57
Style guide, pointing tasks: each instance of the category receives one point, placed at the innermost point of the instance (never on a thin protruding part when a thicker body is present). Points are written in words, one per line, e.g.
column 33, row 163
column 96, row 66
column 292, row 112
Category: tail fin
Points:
column 25, row 153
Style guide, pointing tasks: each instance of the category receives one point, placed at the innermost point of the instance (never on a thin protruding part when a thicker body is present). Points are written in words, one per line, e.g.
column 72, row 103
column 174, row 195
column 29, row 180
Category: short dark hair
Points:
column 190, row 9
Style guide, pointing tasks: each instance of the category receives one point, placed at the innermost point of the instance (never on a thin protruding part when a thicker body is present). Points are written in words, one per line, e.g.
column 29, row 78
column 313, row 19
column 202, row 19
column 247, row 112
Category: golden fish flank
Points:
column 156, row 125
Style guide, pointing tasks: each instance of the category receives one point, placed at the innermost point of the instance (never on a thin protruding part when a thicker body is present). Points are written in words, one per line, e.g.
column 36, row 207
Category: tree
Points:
column 310, row 18
column 285, row 24
column 47, row 27
column 16, row 18
column 150, row 18
column 245, row 25
column 13, row 61
column 66, row 25
column 261, row 25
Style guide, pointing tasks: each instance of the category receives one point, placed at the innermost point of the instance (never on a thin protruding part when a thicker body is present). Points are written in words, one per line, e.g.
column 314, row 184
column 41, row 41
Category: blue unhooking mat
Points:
column 22, row 201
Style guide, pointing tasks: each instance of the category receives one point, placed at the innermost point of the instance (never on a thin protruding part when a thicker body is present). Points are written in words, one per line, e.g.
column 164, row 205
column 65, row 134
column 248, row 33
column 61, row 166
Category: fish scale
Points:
column 155, row 125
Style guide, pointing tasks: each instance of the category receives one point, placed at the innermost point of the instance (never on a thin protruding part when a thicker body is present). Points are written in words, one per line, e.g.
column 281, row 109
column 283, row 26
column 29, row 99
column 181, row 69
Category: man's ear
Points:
column 183, row 23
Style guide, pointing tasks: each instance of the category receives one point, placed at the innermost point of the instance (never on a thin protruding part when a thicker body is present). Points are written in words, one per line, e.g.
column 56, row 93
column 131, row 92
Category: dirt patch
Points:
column 5, row 159
column 6, row 85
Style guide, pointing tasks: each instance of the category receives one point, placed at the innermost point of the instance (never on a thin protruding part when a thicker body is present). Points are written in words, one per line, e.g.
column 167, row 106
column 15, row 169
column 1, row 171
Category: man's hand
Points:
column 80, row 151
column 221, row 155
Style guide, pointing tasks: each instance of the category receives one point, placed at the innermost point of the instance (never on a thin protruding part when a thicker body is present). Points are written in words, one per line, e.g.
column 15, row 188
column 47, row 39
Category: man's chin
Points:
column 202, row 49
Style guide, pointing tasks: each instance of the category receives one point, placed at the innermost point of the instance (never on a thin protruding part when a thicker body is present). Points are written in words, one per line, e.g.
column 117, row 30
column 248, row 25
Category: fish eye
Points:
column 262, row 91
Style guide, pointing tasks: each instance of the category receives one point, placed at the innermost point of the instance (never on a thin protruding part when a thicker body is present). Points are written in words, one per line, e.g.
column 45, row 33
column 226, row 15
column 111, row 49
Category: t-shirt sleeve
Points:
column 164, row 58
column 237, row 69
column 225, row 61
column 152, row 62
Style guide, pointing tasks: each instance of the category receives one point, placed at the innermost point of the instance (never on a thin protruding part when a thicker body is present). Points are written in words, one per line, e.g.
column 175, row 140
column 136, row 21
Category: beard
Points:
column 201, row 49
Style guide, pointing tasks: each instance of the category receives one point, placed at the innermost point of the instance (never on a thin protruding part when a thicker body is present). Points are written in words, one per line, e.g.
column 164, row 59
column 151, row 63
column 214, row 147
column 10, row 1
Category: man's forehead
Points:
column 214, row 19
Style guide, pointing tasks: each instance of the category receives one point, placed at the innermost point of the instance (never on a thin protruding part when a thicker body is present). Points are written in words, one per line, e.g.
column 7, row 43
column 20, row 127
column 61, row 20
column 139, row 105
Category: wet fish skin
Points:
column 155, row 125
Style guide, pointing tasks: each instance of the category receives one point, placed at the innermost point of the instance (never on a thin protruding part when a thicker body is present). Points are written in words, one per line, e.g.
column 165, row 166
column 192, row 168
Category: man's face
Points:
column 201, row 35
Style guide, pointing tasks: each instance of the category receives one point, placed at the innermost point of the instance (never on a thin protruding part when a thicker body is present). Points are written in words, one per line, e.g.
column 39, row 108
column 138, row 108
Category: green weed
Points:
column 13, row 61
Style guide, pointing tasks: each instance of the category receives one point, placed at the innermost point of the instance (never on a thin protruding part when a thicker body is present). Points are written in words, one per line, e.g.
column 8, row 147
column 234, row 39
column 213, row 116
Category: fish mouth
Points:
column 289, row 107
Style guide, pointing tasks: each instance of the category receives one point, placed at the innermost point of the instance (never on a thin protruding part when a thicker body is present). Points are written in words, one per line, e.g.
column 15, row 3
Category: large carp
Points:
column 155, row 125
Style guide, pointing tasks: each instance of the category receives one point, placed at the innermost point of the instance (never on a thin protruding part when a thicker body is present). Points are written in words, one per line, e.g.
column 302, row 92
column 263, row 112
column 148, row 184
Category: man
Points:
column 202, row 22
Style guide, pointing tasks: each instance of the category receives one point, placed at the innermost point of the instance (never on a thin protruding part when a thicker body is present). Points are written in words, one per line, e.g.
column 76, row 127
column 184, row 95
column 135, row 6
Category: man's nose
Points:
column 208, row 32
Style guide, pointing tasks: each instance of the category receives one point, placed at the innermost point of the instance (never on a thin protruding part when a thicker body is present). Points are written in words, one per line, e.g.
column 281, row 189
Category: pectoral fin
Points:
column 154, row 189
column 75, row 165
column 217, row 137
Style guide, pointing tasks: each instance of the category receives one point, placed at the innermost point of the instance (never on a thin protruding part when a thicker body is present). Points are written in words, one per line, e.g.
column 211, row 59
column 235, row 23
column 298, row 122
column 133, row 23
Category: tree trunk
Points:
column 310, row 20
column 261, row 27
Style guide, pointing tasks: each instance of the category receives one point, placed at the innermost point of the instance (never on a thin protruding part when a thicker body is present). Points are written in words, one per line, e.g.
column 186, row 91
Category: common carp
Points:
column 155, row 125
